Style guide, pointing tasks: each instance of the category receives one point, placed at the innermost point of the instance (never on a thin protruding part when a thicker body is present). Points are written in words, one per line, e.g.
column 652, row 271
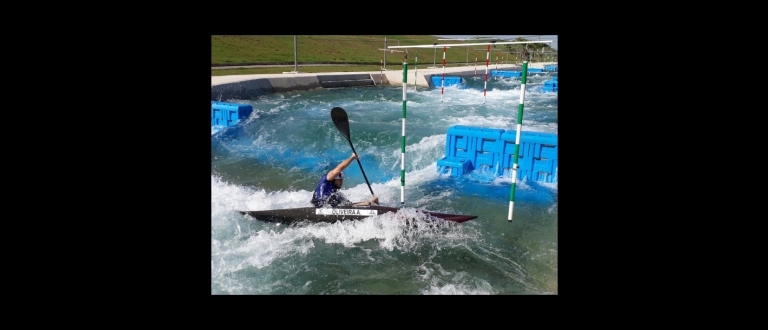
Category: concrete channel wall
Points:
column 246, row 87
column 253, row 88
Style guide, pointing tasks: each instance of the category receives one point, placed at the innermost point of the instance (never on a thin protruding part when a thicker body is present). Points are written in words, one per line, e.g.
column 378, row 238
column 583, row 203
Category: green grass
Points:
column 362, row 52
column 302, row 69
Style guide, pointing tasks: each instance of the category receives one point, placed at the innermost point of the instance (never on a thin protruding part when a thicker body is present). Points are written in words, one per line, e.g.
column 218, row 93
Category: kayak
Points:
column 333, row 214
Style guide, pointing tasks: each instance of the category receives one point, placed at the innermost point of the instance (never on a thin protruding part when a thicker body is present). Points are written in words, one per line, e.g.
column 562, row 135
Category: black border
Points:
column 590, row 204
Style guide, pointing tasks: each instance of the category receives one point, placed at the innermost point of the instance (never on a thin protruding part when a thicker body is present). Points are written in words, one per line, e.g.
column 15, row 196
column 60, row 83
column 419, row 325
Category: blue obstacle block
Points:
column 228, row 114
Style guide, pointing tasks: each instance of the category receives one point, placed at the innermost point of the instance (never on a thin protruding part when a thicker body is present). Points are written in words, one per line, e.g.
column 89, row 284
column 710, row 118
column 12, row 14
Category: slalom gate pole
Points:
column 475, row 66
column 517, row 141
column 487, row 57
column 381, row 71
column 442, row 82
column 385, row 52
column 416, row 71
column 402, row 141
column 295, row 56
column 497, row 66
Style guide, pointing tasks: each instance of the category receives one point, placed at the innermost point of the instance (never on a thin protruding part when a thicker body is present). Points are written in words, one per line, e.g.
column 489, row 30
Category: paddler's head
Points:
column 338, row 180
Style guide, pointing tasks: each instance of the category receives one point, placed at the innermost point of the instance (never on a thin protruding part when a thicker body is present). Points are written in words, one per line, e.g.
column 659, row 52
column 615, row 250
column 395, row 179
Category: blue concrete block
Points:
column 457, row 166
column 508, row 141
column 544, row 166
column 228, row 114
column 486, row 161
column 488, row 150
column 458, row 143
column 486, row 133
column 537, row 153
column 550, row 85
column 538, row 137
column 548, row 151
column 540, row 145
column 523, row 163
column 449, row 81
column 471, row 148
column 506, row 74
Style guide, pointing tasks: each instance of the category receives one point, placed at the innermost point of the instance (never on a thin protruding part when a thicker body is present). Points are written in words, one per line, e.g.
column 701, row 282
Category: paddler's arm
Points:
column 344, row 164
column 373, row 200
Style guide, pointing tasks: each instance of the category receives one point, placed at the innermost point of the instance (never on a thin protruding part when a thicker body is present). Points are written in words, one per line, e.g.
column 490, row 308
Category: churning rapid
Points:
column 273, row 159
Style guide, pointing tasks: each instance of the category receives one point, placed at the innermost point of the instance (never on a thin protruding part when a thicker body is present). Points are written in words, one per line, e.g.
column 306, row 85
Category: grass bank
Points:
column 361, row 52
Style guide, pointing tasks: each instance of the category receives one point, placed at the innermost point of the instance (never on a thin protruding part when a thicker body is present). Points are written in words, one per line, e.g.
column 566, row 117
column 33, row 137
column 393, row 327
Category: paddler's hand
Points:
column 371, row 201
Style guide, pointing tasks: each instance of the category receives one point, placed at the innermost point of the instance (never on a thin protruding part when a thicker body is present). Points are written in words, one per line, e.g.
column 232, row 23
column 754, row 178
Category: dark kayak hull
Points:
column 313, row 214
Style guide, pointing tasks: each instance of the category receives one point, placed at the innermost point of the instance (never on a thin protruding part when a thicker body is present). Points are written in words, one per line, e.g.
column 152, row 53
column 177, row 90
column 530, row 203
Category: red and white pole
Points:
column 442, row 82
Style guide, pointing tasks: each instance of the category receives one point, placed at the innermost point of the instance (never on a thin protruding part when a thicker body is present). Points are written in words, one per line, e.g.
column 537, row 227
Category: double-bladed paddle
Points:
column 340, row 119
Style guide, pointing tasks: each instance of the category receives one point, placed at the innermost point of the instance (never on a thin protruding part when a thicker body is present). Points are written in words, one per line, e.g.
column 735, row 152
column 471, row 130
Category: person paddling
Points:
column 327, row 190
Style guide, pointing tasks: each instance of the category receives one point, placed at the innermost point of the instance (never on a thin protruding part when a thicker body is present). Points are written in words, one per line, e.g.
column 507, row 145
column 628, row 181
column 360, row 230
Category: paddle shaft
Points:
column 341, row 121
column 361, row 167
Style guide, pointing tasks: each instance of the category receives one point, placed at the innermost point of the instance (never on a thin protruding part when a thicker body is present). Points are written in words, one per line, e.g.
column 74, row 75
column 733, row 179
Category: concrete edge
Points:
column 252, row 86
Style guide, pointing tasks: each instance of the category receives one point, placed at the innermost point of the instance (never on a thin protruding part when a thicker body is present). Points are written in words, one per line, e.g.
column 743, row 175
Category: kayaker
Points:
column 328, row 188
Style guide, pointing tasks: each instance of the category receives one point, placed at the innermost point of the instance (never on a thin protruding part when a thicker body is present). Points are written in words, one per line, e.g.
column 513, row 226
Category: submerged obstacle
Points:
column 492, row 150
column 506, row 73
column 514, row 73
column 449, row 81
column 228, row 114
column 550, row 85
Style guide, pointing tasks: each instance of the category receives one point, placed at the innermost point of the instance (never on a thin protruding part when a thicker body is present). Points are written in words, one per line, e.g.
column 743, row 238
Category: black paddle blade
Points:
column 340, row 119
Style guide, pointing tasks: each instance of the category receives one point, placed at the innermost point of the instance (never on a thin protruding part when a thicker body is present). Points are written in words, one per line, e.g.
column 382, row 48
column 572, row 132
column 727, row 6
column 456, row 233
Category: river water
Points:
column 274, row 158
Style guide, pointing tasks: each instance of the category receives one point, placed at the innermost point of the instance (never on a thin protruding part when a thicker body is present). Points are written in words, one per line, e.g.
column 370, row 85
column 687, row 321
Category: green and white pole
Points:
column 402, row 141
column 517, row 140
